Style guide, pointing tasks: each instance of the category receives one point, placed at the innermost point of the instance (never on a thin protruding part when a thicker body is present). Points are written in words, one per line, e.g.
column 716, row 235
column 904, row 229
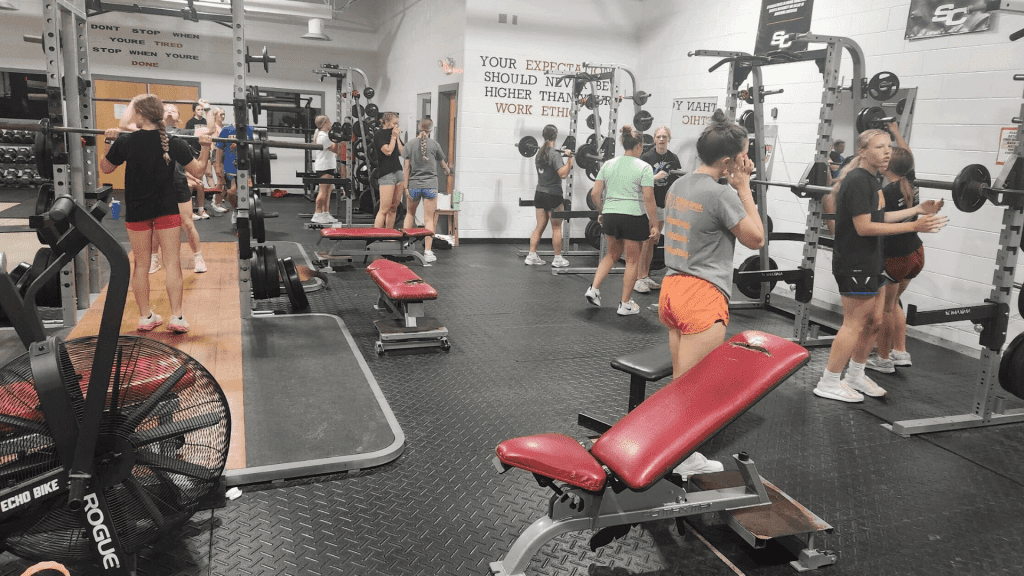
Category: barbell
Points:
column 873, row 117
column 528, row 146
column 969, row 187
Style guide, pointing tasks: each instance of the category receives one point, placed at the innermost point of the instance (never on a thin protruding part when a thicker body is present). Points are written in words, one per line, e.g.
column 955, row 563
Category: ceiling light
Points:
column 316, row 30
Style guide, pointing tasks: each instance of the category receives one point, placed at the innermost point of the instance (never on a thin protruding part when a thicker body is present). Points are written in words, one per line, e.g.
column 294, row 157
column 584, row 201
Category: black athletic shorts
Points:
column 322, row 173
column 547, row 202
column 861, row 285
column 182, row 193
column 625, row 227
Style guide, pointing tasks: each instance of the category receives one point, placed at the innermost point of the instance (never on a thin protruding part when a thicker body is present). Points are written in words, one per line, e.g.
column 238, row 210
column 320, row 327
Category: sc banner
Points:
column 930, row 18
column 779, row 19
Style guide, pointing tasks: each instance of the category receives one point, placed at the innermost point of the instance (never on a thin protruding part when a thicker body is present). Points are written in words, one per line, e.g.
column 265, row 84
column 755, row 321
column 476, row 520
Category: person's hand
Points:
column 600, row 219
column 395, row 131
column 740, row 173
column 111, row 134
column 205, row 140
column 204, row 103
column 892, row 128
column 654, row 232
column 661, row 175
column 930, row 224
column 931, row 206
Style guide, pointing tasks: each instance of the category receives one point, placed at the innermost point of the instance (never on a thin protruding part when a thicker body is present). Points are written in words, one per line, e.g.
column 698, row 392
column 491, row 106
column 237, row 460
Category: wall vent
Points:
column 502, row 18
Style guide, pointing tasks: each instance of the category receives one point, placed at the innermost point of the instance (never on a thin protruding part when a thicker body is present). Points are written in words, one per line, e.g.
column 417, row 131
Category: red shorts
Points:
column 690, row 304
column 158, row 223
column 906, row 267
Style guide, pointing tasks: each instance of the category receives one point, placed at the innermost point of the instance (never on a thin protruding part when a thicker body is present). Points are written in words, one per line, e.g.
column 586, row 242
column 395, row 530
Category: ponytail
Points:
column 549, row 133
column 424, row 127
column 164, row 141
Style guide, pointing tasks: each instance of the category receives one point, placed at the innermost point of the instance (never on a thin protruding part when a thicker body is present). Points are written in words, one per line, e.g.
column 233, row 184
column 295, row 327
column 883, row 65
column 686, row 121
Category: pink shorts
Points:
column 158, row 223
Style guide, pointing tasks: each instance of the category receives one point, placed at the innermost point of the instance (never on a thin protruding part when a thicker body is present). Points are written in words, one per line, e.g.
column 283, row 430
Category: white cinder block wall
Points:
column 966, row 93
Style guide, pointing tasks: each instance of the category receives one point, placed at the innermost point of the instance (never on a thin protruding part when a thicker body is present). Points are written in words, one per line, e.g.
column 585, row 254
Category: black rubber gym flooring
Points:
column 528, row 354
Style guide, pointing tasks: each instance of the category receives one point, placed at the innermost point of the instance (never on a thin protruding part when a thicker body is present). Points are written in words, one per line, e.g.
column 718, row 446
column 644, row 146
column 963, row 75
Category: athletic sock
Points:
column 831, row 378
column 856, row 372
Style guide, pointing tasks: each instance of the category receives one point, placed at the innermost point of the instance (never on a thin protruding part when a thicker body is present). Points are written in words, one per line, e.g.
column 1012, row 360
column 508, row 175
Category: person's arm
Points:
column 865, row 227
column 106, row 166
column 406, row 171
column 894, row 129
column 595, row 194
column 563, row 172
column 218, row 165
column 749, row 231
column 652, row 211
column 828, row 204
column 197, row 167
column 388, row 148
column 924, row 208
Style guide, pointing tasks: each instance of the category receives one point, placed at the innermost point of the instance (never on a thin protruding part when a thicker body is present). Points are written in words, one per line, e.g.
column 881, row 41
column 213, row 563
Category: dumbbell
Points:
column 10, row 177
column 5, row 136
column 22, row 156
column 24, row 179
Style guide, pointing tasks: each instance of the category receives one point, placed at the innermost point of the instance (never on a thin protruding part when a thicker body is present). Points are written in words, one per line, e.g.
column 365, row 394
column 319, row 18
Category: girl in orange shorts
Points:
column 703, row 220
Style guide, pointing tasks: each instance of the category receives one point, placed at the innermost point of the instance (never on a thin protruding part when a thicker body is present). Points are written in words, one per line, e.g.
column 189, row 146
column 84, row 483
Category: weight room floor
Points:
column 528, row 354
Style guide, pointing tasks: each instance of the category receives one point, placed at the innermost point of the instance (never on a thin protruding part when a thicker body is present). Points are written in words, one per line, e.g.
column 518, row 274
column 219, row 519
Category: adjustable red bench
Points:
column 402, row 294
column 627, row 476
column 401, row 245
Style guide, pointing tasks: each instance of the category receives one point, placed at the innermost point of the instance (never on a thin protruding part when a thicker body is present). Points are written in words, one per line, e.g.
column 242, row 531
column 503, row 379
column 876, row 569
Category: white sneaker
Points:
column 200, row 265
column 150, row 322
column 593, row 296
column 219, row 208
column 178, row 325
column 628, row 308
column 428, row 256
column 234, row 219
column 652, row 284
column 560, row 262
column 866, row 386
column 879, row 364
column 329, row 217
column 533, row 260
column 840, row 392
column 196, row 216
column 154, row 264
column 900, row 358
column 641, row 286
column 696, row 463
column 318, row 218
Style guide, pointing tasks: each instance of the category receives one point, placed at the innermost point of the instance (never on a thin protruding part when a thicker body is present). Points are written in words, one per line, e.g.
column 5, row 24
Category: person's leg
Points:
column 856, row 313
column 615, row 248
column 387, row 198
column 142, row 245
column 154, row 258
column 899, row 320
column 429, row 208
column 886, row 331
column 556, row 235
column 191, row 234
column 629, row 275
column 870, row 325
column 323, row 197
column 646, row 256
column 170, row 243
column 542, row 222
column 411, row 206
column 689, row 349
column 232, row 193
column 398, row 196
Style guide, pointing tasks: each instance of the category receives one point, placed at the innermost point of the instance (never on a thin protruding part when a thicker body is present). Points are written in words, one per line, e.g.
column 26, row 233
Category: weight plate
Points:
column 587, row 157
column 751, row 264
column 1011, row 367
column 368, row 92
column 901, row 106
column 259, row 230
column 43, row 152
column 593, row 234
column 967, row 187
column 372, row 110
column 527, row 146
column 271, row 279
column 643, row 120
column 747, row 121
column 883, row 86
column 293, row 284
column 257, row 275
column 648, row 142
column 590, row 199
column 18, row 274
column 640, row 97
column 49, row 294
column 608, row 149
column 569, row 143
column 590, row 121
column 870, row 118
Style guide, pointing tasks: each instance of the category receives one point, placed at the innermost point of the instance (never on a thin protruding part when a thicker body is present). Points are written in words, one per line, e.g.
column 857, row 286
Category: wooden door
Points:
column 110, row 98
column 451, row 96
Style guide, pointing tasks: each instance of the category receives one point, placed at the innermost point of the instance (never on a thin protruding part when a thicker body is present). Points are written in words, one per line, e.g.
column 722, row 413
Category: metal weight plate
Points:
column 527, row 146
column 43, row 152
column 257, row 274
column 590, row 199
column 608, row 149
column 593, row 234
column 590, row 121
column 590, row 101
column 368, row 92
column 883, row 86
column 648, row 142
column 869, row 118
column 753, row 289
column 587, row 157
column 358, row 111
column 293, row 284
column 262, row 166
column 259, row 230
column 337, row 132
column 372, row 111
column 967, row 187
column 271, row 279
column 253, row 98
column 1011, row 367
column 641, row 97
column 747, row 121
column 643, row 120
column 569, row 143
column 901, row 106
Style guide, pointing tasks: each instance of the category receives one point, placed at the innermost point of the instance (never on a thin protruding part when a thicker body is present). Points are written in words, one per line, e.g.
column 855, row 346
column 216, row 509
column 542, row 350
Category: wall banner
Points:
column 779, row 19
column 689, row 118
column 930, row 18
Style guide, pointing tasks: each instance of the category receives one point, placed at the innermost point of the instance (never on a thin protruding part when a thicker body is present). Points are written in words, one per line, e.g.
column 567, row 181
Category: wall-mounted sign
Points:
column 929, row 18
column 780, row 19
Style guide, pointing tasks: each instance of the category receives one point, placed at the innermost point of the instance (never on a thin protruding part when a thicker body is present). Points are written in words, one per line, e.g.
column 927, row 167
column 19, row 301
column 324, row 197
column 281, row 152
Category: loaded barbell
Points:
column 528, row 146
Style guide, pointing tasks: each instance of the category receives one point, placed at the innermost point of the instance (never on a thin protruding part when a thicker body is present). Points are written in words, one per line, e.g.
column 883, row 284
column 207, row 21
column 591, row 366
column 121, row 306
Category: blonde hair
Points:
column 424, row 127
column 665, row 128
column 150, row 107
column 862, row 144
column 388, row 117
column 320, row 120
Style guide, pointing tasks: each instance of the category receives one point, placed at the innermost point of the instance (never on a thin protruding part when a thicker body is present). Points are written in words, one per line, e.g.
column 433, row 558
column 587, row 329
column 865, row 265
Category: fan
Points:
column 162, row 444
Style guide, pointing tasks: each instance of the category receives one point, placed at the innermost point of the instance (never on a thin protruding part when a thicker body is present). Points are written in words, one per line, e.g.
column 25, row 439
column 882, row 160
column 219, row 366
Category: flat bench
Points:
column 626, row 477
column 402, row 245
column 402, row 294
column 645, row 366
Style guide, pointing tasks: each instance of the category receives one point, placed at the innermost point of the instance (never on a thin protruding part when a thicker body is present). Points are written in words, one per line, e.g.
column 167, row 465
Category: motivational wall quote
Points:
column 528, row 87
column 143, row 47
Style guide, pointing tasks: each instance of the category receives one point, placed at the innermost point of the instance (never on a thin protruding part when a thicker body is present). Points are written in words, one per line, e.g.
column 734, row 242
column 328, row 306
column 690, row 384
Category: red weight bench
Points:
column 627, row 476
column 402, row 294
column 377, row 242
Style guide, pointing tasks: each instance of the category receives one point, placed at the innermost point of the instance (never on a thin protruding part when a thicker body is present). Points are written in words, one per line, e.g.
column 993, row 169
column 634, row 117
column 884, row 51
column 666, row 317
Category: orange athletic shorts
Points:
column 690, row 304
column 906, row 267
column 158, row 223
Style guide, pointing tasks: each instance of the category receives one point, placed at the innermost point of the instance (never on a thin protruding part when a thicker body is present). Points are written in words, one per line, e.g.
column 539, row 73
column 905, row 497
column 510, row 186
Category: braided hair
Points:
column 150, row 107
column 424, row 127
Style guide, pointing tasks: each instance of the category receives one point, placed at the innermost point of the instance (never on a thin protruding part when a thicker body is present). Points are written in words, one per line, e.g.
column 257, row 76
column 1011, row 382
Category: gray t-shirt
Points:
column 700, row 214
column 423, row 173
column 548, row 180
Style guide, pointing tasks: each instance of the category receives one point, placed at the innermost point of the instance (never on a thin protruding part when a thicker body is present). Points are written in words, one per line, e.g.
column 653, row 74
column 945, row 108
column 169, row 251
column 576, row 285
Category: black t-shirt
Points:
column 191, row 125
column 667, row 161
column 854, row 254
column 904, row 244
column 180, row 181
column 148, row 179
column 386, row 164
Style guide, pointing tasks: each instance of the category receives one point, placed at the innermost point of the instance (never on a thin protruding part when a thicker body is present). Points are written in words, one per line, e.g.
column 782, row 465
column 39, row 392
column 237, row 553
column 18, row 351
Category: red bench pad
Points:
column 360, row 234
column 399, row 282
column 667, row 427
column 556, row 456
column 417, row 232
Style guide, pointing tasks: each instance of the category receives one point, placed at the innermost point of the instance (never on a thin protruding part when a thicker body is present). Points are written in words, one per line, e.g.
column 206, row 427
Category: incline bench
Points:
column 402, row 294
column 627, row 476
column 398, row 243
